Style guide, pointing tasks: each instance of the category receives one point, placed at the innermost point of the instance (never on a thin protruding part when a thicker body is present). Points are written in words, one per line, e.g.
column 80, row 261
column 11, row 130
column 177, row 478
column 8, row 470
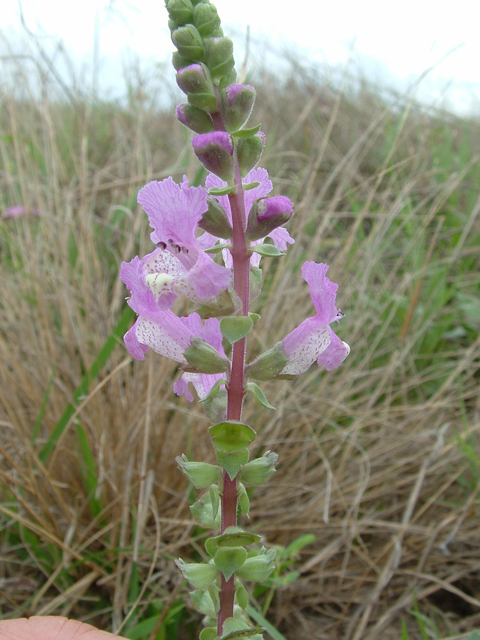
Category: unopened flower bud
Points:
column 249, row 152
column 215, row 152
column 193, row 79
column 219, row 56
column 179, row 62
column 268, row 365
column 240, row 99
column 259, row 567
column 194, row 118
column 180, row 10
column 188, row 42
column 215, row 220
column 201, row 474
column 266, row 215
column 206, row 19
column 205, row 358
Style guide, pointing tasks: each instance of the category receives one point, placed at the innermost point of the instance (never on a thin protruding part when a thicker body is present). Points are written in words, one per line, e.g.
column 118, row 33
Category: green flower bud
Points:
column 219, row 57
column 181, row 11
column 258, row 568
column 179, row 62
column 249, row 152
column 188, row 42
column 259, row 470
column 195, row 79
column 201, row 474
column 195, row 119
column 215, row 220
column 268, row 365
column 205, row 18
column 199, row 575
column 204, row 358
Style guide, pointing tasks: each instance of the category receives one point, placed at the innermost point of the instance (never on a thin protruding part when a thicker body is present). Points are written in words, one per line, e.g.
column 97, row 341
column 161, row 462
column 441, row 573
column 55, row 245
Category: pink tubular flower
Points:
column 170, row 336
column 280, row 235
column 179, row 265
column 313, row 339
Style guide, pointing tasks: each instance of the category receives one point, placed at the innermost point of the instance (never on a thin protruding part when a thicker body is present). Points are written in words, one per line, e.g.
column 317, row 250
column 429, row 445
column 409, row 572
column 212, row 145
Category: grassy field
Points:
column 376, row 500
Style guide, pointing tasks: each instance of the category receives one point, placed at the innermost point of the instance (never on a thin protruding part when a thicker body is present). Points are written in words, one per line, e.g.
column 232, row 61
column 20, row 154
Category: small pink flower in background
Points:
column 313, row 339
column 19, row 210
column 51, row 628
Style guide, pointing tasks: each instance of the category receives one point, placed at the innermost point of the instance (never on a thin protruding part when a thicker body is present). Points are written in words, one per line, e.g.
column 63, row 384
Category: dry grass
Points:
column 378, row 459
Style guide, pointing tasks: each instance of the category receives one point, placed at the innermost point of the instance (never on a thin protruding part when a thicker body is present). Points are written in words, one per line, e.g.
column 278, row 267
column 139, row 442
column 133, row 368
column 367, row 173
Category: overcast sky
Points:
column 393, row 42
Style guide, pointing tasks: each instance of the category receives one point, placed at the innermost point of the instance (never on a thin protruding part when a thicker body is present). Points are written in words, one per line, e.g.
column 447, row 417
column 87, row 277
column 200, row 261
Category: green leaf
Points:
column 218, row 247
column 230, row 559
column 222, row 191
column 209, row 633
column 250, row 185
column 267, row 250
column 246, row 133
column 234, row 328
column 254, row 316
column 259, row 396
column 104, row 354
column 232, row 436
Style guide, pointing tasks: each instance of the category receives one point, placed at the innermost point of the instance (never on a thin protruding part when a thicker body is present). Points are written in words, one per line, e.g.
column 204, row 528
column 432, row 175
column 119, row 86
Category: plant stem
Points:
column 236, row 391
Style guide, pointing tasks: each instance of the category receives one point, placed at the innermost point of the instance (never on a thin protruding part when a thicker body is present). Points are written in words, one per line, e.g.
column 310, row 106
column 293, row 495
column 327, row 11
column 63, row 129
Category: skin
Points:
column 50, row 628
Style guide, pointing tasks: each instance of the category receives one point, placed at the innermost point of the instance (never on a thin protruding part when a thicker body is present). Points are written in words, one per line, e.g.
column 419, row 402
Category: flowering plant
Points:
column 195, row 230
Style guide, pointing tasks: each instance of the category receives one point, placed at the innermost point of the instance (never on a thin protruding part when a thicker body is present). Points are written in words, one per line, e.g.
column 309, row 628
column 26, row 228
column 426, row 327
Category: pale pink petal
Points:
column 134, row 347
column 281, row 237
column 334, row 354
column 304, row 345
column 322, row 291
column 263, row 189
column 166, row 335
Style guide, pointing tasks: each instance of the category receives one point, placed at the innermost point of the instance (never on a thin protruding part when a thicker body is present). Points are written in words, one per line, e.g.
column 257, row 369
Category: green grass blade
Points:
column 38, row 421
column 82, row 389
column 272, row 632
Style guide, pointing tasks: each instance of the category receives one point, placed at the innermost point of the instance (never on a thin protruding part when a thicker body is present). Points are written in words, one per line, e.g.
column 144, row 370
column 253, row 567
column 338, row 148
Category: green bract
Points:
column 232, row 462
column 204, row 358
column 234, row 328
column 199, row 575
column 229, row 559
column 259, row 470
column 231, row 537
column 259, row 395
column 232, row 436
column 258, row 568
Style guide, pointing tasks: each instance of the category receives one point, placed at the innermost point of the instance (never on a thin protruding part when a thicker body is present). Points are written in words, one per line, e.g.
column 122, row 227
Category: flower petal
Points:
column 334, row 354
column 322, row 291
column 304, row 345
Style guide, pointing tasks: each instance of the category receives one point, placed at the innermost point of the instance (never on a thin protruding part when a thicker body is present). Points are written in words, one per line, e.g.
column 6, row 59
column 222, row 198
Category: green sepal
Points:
column 209, row 633
column 205, row 603
column 267, row 250
column 234, row 328
column 258, row 568
column 231, row 537
column 229, row 78
column 215, row 220
column 232, row 462
column 206, row 19
column 181, row 11
column 221, row 191
column 232, row 436
column 214, row 390
column 241, row 594
column 243, row 499
column 199, row 575
column 218, row 247
column 247, row 133
column 204, row 358
column 203, row 101
column 219, row 57
column 206, row 510
column 254, row 316
column 259, row 470
column 268, row 365
column 179, row 62
column 216, row 407
column 250, row 185
column 201, row 474
column 259, row 396
column 229, row 559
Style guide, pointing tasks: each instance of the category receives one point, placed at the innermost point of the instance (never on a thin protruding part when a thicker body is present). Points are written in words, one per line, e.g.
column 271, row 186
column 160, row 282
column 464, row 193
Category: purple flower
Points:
column 19, row 210
column 313, row 339
column 178, row 265
column 233, row 90
column 280, row 235
column 170, row 336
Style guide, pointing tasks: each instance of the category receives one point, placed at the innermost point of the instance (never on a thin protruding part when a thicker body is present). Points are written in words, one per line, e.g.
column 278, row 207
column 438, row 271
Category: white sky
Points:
column 393, row 42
